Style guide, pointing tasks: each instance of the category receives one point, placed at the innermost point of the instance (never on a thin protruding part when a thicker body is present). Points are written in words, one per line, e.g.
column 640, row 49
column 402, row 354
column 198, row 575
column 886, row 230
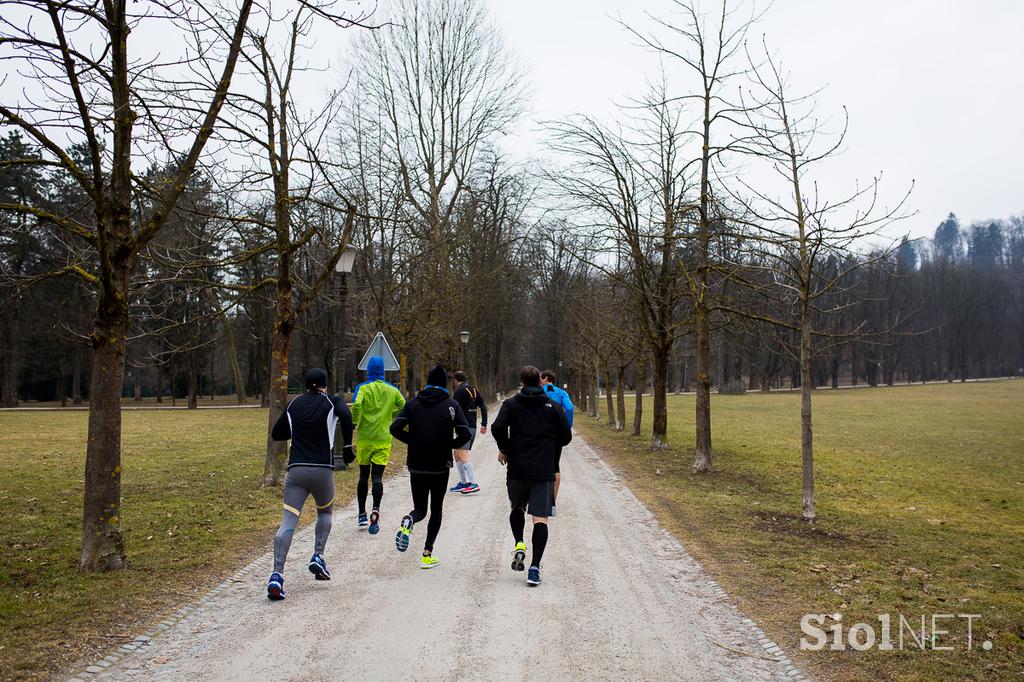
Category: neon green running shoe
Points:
column 519, row 557
column 429, row 561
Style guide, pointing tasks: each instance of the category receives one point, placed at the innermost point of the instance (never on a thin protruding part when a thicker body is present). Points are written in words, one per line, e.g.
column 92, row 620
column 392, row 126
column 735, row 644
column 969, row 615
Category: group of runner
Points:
column 439, row 429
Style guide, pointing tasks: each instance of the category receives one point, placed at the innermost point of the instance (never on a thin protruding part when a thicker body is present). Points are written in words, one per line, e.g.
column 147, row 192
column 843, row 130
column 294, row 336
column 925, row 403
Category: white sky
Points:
column 934, row 90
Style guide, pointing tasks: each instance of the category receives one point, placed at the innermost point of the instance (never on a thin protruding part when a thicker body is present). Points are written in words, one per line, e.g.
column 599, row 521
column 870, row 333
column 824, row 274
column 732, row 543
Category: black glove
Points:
column 349, row 454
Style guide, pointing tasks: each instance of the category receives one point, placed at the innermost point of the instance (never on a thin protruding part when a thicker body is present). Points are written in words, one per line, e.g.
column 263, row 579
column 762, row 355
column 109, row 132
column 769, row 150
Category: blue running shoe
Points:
column 533, row 576
column 402, row 536
column 363, row 521
column 470, row 489
column 318, row 567
column 275, row 587
column 457, row 488
column 374, row 522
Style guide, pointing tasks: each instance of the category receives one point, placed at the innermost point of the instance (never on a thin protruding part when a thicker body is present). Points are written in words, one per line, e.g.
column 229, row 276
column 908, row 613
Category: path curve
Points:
column 620, row 599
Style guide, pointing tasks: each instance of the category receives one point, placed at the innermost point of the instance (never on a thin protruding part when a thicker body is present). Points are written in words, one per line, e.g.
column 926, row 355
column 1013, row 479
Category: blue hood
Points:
column 375, row 368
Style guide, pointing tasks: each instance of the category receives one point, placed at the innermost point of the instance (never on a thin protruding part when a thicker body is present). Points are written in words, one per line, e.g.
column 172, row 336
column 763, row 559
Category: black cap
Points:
column 316, row 378
column 438, row 377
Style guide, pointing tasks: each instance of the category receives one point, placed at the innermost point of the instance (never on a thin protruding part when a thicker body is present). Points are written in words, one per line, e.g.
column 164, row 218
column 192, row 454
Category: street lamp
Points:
column 344, row 266
column 347, row 260
column 464, row 337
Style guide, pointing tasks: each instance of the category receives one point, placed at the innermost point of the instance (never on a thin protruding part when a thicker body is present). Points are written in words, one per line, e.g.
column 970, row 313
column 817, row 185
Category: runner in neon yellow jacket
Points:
column 376, row 405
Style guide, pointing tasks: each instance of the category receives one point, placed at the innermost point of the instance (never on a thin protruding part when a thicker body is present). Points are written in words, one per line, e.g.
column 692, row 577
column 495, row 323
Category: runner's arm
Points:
column 564, row 430
column 399, row 403
column 400, row 426
column 344, row 420
column 462, row 432
column 357, row 407
column 499, row 428
column 282, row 427
column 482, row 404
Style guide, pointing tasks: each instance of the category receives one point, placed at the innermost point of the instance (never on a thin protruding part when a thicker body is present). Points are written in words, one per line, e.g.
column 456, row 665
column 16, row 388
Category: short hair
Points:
column 460, row 376
column 530, row 376
column 549, row 375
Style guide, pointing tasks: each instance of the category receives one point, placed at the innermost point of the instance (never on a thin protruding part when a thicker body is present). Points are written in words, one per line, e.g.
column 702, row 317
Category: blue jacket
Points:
column 561, row 398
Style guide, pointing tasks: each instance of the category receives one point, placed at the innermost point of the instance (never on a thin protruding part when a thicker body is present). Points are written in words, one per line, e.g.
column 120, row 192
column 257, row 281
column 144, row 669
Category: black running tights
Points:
column 363, row 486
column 434, row 487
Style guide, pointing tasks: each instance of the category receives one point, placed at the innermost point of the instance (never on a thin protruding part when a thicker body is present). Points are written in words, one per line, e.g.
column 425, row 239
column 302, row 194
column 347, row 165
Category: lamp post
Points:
column 344, row 266
column 464, row 337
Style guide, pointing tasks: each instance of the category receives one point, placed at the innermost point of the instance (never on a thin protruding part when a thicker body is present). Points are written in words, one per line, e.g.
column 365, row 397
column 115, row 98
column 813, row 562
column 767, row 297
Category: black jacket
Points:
column 309, row 422
column 431, row 424
column 470, row 400
column 529, row 428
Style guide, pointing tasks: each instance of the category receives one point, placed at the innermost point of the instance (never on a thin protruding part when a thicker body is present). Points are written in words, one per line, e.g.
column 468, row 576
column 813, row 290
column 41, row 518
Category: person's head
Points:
column 547, row 377
column 529, row 376
column 460, row 376
column 316, row 379
column 375, row 368
column 438, row 377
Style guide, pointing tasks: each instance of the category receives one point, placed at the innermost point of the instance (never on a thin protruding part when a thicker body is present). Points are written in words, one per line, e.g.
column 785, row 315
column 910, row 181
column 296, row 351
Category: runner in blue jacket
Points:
column 562, row 399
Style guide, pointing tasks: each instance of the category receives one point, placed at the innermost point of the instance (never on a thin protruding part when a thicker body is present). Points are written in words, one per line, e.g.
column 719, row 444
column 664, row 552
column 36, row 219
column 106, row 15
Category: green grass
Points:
column 193, row 511
column 919, row 500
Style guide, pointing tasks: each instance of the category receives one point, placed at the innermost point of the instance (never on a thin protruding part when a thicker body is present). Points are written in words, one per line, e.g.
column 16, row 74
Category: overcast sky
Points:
column 934, row 90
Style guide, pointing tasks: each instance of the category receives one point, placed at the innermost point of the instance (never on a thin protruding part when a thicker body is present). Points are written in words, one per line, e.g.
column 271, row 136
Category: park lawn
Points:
column 193, row 512
column 920, row 501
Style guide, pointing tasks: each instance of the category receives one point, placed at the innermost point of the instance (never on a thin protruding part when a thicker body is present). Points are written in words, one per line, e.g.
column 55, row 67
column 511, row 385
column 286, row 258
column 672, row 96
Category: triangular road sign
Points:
column 379, row 346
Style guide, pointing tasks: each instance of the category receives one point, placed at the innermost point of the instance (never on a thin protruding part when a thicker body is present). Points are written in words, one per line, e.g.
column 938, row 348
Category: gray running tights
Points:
column 300, row 483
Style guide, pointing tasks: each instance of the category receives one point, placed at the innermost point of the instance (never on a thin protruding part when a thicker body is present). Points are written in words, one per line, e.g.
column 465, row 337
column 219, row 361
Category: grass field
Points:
column 193, row 511
column 920, row 494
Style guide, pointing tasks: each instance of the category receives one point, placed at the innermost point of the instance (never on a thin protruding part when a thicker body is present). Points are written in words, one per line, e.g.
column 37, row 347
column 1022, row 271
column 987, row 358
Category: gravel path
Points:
column 620, row 599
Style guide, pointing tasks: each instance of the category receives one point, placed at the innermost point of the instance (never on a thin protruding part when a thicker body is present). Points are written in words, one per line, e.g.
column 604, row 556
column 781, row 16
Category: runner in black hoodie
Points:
column 431, row 424
column 529, row 429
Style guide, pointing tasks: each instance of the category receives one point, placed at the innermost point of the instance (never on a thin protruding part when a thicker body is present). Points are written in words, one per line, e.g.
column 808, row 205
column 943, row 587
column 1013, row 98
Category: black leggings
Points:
column 363, row 486
column 434, row 486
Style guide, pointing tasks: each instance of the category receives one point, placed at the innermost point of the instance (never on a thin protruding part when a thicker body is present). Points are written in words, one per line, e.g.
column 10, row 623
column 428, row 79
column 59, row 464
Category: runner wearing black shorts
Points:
column 529, row 429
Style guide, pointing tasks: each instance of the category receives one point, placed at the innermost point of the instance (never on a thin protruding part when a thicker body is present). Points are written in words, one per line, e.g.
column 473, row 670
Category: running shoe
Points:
column 402, row 536
column 533, row 576
column 363, row 521
column 429, row 561
column 470, row 489
column 519, row 556
column 318, row 567
column 374, row 522
column 275, row 587
column 458, row 487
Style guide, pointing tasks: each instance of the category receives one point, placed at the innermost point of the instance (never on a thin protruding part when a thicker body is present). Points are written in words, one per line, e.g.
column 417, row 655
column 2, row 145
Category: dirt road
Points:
column 620, row 599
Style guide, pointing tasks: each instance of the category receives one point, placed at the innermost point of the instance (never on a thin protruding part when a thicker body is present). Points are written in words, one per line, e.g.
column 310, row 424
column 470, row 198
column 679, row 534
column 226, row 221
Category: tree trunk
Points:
column 160, row 382
column 835, row 371
column 11, row 369
column 702, row 456
column 102, row 542
column 620, row 398
column 193, row 376
column 76, row 381
column 806, row 430
column 62, row 385
column 236, row 369
column 277, row 391
column 595, row 394
column 638, row 409
column 659, row 433
column 608, row 399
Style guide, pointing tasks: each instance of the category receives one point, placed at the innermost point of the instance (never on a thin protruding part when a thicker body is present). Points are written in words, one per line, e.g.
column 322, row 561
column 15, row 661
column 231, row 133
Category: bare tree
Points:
column 79, row 54
column 710, row 48
column 804, row 240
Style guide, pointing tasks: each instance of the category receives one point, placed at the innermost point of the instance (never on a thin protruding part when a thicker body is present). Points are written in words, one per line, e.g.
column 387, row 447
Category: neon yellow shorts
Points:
column 373, row 453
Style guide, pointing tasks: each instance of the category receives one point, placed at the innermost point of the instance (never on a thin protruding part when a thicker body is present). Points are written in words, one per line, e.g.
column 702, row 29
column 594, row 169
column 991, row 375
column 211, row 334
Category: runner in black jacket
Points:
column 431, row 424
column 310, row 422
column 528, row 429
column 470, row 400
